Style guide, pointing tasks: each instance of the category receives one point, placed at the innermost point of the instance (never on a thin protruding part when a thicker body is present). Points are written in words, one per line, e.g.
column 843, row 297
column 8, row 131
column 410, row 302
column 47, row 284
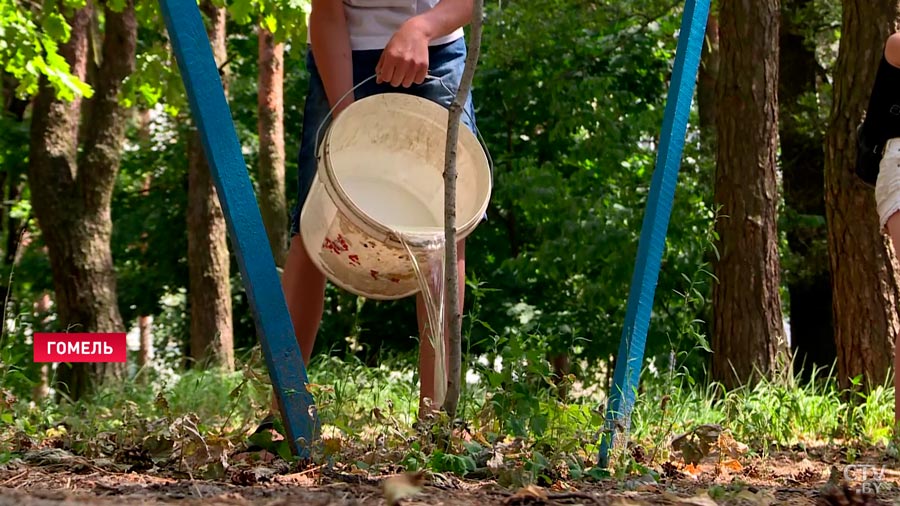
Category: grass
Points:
column 368, row 414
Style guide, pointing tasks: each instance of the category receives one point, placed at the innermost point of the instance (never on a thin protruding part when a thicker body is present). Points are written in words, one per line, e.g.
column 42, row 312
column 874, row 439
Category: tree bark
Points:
column 13, row 224
column 803, row 171
column 4, row 225
column 863, row 267
column 13, row 105
column 708, row 75
column 71, row 185
column 272, row 199
column 145, row 324
column 11, row 177
column 145, row 349
column 212, row 340
column 747, row 316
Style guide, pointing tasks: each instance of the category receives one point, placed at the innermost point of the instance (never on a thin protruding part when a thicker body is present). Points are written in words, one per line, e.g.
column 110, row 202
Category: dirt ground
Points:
column 814, row 477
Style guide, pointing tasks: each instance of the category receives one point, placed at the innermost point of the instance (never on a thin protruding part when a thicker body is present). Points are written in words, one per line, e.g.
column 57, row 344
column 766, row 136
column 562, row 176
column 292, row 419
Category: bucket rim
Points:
column 466, row 139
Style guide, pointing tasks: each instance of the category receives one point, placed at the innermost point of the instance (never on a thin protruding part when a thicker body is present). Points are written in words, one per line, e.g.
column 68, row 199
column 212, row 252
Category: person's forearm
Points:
column 331, row 49
column 444, row 18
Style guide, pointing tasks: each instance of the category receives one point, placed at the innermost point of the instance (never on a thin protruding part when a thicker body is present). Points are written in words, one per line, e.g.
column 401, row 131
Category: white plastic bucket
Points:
column 380, row 170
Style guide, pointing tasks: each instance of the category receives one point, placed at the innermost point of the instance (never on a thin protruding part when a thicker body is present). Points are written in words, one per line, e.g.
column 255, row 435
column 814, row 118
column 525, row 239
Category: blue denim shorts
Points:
column 445, row 62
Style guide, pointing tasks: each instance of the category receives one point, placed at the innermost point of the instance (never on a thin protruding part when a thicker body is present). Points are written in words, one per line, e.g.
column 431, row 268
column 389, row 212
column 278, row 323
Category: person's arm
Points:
column 444, row 18
column 331, row 49
column 405, row 59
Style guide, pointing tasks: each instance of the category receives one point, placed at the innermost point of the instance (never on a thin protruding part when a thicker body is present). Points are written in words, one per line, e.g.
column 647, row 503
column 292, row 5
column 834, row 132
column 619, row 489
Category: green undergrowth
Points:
column 515, row 424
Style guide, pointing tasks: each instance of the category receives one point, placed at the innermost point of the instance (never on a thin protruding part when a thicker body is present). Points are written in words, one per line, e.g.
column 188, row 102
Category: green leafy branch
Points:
column 30, row 40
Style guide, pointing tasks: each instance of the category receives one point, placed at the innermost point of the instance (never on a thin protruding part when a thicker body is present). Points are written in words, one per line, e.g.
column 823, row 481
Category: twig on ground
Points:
column 350, row 478
column 14, row 478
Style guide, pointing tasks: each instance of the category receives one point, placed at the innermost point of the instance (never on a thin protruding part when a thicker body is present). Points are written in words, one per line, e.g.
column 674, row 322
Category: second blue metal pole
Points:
column 656, row 221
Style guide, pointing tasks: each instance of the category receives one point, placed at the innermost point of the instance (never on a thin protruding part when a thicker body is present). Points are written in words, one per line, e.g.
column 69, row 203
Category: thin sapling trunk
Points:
column 454, row 375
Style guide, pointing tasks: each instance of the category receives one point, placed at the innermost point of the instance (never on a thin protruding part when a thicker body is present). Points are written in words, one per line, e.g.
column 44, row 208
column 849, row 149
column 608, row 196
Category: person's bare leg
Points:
column 893, row 229
column 892, row 55
column 426, row 350
column 304, row 292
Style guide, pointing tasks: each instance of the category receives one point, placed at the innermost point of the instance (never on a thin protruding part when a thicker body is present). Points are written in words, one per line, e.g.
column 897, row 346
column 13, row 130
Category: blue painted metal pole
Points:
column 211, row 113
column 656, row 222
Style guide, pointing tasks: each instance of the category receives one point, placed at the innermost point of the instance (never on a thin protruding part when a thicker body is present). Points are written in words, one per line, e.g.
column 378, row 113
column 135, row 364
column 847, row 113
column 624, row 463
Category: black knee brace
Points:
column 882, row 121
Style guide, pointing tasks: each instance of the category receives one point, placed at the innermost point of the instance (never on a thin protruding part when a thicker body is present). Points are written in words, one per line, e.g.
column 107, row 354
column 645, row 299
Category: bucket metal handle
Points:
column 428, row 76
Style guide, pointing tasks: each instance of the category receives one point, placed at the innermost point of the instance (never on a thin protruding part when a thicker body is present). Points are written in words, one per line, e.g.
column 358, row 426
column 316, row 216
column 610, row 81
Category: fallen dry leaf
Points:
column 402, row 486
column 732, row 465
column 729, row 446
column 760, row 498
column 696, row 444
column 692, row 470
column 699, row 500
column 529, row 494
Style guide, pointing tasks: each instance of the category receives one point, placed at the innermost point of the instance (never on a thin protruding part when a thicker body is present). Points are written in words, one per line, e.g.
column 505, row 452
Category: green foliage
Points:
column 184, row 424
column 285, row 19
column 570, row 105
column 573, row 129
column 571, row 126
column 772, row 414
column 30, row 40
column 148, row 209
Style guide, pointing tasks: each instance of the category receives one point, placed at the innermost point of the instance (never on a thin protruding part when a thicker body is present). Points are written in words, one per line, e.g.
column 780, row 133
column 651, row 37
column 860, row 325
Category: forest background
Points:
column 774, row 265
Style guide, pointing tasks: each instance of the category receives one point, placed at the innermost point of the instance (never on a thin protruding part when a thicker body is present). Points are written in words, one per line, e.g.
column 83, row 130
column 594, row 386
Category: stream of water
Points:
column 430, row 278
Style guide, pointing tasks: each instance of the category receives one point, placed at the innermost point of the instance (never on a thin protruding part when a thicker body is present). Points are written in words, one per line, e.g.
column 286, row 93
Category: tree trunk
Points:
column 560, row 362
column 212, row 341
column 72, row 188
column 13, row 105
column 145, row 324
column 4, row 225
column 42, row 308
column 13, row 224
column 864, row 271
column 708, row 74
column 145, row 349
column 273, row 203
column 803, row 170
column 747, row 316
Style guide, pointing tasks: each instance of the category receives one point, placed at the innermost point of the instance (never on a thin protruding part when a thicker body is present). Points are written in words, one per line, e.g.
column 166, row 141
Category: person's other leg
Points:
column 302, row 282
column 447, row 63
column 893, row 228
column 888, row 186
column 426, row 350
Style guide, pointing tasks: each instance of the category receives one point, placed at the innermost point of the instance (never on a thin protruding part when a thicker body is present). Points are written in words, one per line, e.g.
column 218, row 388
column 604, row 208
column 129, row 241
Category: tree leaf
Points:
column 270, row 23
column 56, row 27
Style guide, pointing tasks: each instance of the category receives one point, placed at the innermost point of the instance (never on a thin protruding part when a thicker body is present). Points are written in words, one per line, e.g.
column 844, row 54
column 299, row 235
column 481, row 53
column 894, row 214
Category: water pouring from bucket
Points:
column 373, row 219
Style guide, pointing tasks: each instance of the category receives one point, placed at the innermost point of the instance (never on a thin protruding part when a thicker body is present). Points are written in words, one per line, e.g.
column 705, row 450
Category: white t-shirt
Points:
column 371, row 23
